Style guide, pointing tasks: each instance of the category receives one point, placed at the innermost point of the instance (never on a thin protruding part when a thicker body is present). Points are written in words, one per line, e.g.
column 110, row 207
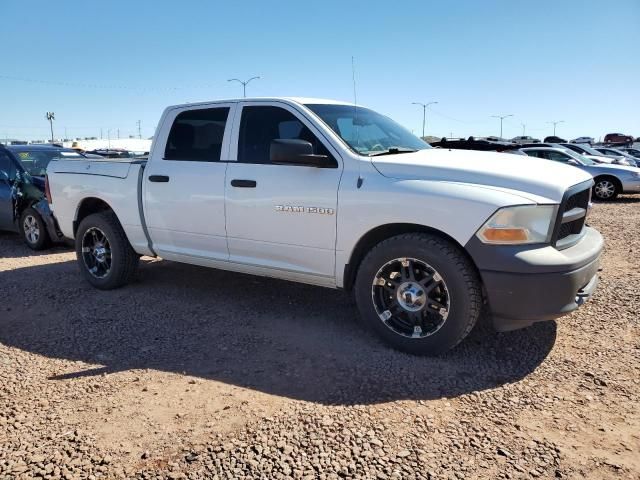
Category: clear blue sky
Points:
column 576, row 61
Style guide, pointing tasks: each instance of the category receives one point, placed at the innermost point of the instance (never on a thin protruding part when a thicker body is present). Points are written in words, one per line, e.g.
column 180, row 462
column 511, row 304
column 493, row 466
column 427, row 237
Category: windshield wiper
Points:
column 392, row 151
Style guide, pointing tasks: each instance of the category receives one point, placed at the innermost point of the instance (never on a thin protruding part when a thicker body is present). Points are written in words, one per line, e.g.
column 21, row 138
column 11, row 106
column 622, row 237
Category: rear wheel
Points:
column 33, row 230
column 605, row 188
column 104, row 254
column 419, row 293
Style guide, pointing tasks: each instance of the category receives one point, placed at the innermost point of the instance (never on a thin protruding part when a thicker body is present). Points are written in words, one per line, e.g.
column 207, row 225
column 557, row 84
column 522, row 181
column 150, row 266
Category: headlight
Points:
column 519, row 225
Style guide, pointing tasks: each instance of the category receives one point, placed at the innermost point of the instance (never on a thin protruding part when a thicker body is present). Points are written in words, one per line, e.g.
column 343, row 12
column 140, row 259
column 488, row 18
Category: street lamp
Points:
column 244, row 84
column 424, row 113
column 554, row 125
column 501, row 117
column 51, row 116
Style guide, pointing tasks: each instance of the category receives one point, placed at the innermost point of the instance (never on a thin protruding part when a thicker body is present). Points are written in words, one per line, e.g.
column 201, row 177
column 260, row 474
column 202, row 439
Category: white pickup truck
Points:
column 339, row 196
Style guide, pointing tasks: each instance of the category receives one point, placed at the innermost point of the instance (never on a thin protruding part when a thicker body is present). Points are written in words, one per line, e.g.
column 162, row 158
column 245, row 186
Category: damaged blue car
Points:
column 23, row 206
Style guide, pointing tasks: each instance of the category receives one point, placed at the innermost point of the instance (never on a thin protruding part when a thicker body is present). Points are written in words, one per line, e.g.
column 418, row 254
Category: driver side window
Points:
column 558, row 156
column 260, row 125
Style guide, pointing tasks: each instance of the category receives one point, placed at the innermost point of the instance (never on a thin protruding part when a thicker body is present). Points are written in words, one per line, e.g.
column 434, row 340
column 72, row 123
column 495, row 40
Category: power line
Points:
column 60, row 83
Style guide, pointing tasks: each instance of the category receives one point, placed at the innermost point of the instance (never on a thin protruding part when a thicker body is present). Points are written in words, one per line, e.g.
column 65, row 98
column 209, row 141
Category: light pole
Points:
column 51, row 116
column 501, row 117
column 554, row 125
column 424, row 113
column 244, row 84
column 524, row 127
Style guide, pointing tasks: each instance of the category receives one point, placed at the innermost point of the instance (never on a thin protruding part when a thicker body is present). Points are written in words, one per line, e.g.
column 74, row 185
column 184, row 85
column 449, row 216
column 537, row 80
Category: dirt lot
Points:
column 192, row 373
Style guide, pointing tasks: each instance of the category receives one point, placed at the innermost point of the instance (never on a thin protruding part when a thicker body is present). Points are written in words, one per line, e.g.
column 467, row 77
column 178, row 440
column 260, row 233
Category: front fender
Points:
column 456, row 209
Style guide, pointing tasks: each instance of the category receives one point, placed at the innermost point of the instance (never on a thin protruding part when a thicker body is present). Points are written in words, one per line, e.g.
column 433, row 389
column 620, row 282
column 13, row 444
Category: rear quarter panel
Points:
column 116, row 183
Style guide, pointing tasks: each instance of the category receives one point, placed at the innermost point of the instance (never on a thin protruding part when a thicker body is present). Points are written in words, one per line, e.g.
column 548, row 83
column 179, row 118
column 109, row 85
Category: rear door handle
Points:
column 159, row 178
column 243, row 183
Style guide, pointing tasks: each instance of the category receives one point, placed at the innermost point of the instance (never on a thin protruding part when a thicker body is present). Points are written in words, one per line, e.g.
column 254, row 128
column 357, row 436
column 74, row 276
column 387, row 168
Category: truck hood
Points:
column 540, row 181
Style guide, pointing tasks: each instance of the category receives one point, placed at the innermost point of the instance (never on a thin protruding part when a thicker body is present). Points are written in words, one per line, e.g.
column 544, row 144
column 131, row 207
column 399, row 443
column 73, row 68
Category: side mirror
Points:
column 573, row 162
column 296, row 152
column 4, row 176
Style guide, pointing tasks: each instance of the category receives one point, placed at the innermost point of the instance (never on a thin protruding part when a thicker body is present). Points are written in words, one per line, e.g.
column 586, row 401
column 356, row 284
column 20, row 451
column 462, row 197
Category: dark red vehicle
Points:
column 618, row 138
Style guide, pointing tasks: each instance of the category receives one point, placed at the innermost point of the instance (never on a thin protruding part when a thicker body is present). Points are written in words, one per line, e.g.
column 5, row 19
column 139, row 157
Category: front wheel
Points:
column 418, row 292
column 104, row 254
column 605, row 189
column 33, row 230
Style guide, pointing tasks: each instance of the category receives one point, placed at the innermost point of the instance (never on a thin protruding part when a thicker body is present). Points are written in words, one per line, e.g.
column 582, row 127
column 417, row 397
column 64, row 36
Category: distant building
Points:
column 131, row 144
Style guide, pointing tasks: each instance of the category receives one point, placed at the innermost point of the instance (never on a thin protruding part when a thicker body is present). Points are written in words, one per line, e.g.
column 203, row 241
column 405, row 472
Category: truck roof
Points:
column 299, row 100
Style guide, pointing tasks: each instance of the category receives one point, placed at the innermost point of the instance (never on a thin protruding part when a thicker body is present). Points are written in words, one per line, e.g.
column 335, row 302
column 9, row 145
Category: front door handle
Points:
column 159, row 178
column 243, row 183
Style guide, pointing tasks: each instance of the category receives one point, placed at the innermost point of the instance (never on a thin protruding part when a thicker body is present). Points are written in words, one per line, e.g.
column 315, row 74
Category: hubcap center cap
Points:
column 100, row 253
column 411, row 296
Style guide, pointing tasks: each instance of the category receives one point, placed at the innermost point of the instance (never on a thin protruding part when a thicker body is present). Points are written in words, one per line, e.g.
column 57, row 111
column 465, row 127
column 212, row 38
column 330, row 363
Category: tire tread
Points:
column 458, row 260
column 129, row 260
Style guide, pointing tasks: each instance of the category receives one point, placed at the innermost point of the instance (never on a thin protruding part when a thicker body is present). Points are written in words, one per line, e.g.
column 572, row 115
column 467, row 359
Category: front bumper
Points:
column 42, row 207
column 631, row 185
column 527, row 284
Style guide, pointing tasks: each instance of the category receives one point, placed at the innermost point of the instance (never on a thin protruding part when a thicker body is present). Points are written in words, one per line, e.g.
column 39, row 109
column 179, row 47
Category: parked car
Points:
column 524, row 139
column 23, row 208
column 617, row 153
column 591, row 153
column 609, row 180
column 111, row 153
column 635, row 152
column 619, row 138
column 322, row 192
column 554, row 139
column 588, row 140
column 472, row 143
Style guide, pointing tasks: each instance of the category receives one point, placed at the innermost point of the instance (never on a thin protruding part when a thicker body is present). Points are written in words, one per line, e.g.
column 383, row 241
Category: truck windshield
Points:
column 367, row 132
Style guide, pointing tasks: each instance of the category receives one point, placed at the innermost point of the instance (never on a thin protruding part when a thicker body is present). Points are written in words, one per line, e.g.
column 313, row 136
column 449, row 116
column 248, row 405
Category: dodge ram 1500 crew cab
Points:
column 337, row 195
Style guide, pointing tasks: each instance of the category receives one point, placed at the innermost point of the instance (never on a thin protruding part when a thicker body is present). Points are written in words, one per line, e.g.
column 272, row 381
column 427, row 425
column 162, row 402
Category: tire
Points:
column 104, row 254
column 606, row 189
column 457, row 287
column 33, row 230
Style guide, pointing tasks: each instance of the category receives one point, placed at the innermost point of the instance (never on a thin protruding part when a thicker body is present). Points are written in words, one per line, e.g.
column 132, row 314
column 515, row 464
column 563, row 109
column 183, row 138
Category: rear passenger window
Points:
column 260, row 125
column 196, row 135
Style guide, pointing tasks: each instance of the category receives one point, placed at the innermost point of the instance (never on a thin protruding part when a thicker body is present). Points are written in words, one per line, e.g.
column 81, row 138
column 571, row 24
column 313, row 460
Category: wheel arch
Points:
column 88, row 206
column 607, row 176
column 383, row 232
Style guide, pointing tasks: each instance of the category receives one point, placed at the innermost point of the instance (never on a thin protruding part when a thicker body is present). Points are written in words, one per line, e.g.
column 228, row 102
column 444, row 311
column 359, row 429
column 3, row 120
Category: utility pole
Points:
column 554, row 125
column 109, row 138
column 139, row 131
column 244, row 84
column 501, row 117
column 424, row 113
column 118, row 134
column 100, row 133
column 51, row 116
column 524, row 127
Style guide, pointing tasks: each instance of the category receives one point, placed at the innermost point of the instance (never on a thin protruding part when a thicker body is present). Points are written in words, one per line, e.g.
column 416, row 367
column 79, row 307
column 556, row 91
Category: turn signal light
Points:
column 506, row 235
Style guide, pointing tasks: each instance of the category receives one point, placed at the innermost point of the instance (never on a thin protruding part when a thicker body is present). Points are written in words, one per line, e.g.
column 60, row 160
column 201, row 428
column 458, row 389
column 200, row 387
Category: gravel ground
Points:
column 197, row 373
